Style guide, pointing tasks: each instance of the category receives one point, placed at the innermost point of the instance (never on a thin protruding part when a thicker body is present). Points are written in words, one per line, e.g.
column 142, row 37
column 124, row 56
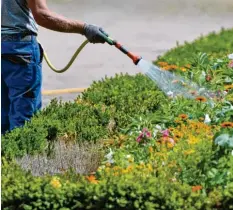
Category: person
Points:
column 22, row 55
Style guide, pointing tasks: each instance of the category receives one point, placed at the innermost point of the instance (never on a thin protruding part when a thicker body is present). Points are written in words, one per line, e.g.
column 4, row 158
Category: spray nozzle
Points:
column 111, row 41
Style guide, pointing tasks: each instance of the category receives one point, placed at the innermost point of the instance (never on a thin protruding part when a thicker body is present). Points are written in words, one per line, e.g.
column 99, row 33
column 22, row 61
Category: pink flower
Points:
column 143, row 134
column 139, row 137
column 165, row 133
column 230, row 65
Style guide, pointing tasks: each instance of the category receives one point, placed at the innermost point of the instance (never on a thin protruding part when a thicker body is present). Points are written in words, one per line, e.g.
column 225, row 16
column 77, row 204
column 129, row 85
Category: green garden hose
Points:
column 109, row 40
column 69, row 63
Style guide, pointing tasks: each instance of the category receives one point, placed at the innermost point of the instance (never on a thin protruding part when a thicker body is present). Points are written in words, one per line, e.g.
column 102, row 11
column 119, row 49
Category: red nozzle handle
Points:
column 135, row 58
column 110, row 41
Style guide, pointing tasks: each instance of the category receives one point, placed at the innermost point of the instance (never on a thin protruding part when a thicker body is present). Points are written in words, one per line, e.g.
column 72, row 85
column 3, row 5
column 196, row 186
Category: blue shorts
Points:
column 21, row 80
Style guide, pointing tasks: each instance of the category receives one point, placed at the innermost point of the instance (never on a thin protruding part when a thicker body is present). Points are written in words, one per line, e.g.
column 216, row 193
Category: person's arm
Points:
column 50, row 20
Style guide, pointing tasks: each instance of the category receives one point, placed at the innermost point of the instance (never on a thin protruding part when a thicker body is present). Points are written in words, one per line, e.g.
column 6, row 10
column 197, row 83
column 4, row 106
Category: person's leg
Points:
column 25, row 102
column 5, row 104
column 24, row 82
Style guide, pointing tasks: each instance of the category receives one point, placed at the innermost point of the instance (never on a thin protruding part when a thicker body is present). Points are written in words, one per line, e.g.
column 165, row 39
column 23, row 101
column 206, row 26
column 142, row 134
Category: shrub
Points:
column 130, row 191
column 80, row 121
column 104, row 108
column 127, row 95
column 215, row 44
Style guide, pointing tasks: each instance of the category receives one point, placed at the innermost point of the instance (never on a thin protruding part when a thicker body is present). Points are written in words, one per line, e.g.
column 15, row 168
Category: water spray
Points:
column 171, row 84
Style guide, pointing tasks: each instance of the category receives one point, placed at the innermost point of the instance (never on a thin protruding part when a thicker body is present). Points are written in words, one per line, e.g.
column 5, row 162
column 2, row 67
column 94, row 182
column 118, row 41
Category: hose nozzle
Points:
column 135, row 58
column 110, row 41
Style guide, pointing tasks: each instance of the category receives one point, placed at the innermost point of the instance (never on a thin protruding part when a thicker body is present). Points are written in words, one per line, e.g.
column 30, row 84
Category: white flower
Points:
column 230, row 56
column 203, row 73
column 128, row 156
column 109, row 157
column 201, row 90
column 224, row 93
column 207, row 119
column 170, row 94
column 158, row 127
column 156, row 130
column 174, row 179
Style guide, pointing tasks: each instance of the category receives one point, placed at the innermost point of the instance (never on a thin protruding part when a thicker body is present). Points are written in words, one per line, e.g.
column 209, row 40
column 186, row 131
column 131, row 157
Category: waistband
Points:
column 23, row 37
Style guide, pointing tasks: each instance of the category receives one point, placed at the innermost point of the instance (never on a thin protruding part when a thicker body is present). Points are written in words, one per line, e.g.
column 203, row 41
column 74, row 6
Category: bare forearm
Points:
column 56, row 22
column 50, row 20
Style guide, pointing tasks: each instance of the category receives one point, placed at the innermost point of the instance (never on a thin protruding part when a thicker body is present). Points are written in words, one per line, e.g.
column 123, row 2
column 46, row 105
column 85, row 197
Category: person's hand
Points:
column 93, row 33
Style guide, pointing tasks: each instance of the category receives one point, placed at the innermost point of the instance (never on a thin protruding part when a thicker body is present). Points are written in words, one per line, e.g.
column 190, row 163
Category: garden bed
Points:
column 148, row 151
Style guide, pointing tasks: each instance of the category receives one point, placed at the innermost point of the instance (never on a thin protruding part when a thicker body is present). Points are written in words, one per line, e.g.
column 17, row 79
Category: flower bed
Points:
column 160, row 153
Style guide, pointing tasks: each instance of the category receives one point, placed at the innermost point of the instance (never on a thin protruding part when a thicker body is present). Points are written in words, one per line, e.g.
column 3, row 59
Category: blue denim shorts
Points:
column 21, row 80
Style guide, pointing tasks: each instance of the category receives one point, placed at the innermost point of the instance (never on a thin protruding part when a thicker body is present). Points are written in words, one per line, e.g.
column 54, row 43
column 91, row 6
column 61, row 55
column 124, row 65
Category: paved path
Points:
column 147, row 29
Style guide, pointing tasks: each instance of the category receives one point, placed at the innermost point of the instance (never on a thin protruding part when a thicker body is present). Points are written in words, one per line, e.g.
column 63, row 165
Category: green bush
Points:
column 215, row 44
column 127, row 95
column 30, row 139
column 22, row 191
column 101, row 111
column 81, row 122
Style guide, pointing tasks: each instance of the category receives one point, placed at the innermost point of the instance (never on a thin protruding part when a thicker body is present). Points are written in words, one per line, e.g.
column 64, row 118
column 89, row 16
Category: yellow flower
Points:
column 130, row 168
column 149, row 166
column 230, row 99
column 170, row 145
column 177, row 135
column 125, row 171
column 55, row 182
column 171, row 129
column 188, row 152
column 193, row 140
column 150, row 149
column 116, row 173
column 228, row 87
column 166, row 68
column 183, row 69
column 172, row 164
column 162, row 63
column 107, row 170
column 116, row 168
column 201, row 119
column 177, row 121
column 108, row 164
column 173, row 67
